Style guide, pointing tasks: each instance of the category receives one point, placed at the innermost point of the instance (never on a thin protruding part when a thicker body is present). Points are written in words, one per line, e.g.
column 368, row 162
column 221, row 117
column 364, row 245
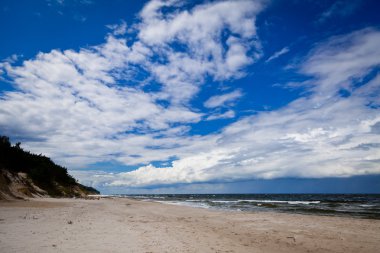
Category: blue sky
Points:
column 196, row 96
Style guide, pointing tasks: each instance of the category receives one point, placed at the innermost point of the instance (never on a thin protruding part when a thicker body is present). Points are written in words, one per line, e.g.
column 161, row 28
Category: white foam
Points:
column 184, row 203
column 280, row 201
column 367, row 205
column 267, row 201
column 303, row 202
column 225, row 201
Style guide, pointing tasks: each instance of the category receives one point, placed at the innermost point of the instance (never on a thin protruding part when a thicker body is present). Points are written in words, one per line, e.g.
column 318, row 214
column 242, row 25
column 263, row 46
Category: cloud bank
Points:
column 129, row 100
column 312, row 137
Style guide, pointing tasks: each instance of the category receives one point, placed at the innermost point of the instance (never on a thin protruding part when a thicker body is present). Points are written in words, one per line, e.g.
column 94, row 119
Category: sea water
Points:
column 354, row 205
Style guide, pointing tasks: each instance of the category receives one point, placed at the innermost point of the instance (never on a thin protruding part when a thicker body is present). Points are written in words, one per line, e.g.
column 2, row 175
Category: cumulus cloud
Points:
column 129, row 102
column 71, row 102
column 311, row 137
column 210, row 41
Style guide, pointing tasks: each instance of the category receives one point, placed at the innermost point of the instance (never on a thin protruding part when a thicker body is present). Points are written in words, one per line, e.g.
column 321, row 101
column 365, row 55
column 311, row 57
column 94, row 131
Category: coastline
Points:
column 128, row 225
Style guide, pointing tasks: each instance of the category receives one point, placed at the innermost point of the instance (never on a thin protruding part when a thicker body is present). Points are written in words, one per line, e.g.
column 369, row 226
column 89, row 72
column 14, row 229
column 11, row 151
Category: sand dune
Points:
column 123, row 225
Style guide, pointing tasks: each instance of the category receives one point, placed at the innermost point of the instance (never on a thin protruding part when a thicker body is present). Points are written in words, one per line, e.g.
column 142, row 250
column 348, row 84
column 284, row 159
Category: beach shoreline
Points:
column 128, row 225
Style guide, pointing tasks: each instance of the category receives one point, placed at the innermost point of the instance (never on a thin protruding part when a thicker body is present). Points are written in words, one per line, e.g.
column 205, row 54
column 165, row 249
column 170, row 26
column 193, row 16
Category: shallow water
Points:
column 354, row 205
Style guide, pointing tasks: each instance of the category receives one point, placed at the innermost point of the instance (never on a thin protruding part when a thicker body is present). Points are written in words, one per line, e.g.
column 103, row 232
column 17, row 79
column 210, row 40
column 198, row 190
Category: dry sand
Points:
column 123, row 225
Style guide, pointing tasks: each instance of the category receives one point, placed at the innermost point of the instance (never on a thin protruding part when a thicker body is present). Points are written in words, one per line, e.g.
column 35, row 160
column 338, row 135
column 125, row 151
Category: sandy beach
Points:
column 124, row 225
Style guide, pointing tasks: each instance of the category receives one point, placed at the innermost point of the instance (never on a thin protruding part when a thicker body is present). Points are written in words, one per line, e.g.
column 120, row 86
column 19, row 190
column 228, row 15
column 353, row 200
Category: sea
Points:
column 351, row 205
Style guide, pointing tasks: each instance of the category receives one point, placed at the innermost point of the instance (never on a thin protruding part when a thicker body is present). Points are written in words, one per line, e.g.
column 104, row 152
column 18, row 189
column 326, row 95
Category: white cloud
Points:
column 210, row 40
column 339, row 9
column 342, row 60
column 312, row 137
column 222, row 100
column 202, row 23
column 226, row 115
column 12, row 59
column 118, row 29
column 70, row 101
column 65, row 2
column 277, row 54
column 91, row 105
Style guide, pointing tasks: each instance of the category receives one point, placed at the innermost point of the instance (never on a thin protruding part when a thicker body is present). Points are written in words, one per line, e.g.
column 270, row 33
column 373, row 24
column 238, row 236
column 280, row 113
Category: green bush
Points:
column 41, row 169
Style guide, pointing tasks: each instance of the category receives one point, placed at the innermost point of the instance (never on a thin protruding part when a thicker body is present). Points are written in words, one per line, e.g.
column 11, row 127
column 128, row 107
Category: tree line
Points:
column 41, row 169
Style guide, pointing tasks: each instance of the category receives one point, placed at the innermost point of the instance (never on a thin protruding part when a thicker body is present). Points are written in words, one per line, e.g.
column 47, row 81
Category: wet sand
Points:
column 124, row 225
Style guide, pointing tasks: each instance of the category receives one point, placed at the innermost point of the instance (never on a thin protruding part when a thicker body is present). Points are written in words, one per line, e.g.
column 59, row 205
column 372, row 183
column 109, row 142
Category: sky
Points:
column 179, row 96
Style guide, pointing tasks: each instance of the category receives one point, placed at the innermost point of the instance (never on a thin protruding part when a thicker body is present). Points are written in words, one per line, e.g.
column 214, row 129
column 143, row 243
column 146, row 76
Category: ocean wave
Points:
column 185, row 203
column 364, row 206
column 267, row 201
